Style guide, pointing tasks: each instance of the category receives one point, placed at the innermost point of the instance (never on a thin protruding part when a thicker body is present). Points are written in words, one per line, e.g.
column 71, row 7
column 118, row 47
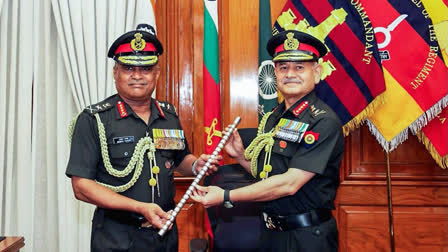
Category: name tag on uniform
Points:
column 169, row 139
column 290, row 130
column 123, row 139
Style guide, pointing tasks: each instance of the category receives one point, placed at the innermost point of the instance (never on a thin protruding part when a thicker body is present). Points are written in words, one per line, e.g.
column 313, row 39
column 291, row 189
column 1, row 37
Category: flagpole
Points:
column 389, row 201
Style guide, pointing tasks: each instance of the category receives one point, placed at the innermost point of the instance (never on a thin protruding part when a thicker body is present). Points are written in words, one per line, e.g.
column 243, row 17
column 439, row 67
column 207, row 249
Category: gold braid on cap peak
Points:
column 294, row 55
column 138, row 59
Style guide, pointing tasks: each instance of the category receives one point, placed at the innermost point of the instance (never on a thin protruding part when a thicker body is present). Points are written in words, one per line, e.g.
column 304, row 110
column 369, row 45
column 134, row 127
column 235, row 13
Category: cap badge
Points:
column 138, row 43
column 291, row 43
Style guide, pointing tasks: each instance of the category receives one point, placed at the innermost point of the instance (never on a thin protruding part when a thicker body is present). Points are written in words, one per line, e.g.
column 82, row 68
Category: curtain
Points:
column 55, row 223
column 86, row 29
column 53, row 63
column 16, row 175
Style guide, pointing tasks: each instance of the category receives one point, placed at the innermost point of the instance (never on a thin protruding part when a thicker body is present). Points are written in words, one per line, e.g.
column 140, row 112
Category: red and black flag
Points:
column 416, row 76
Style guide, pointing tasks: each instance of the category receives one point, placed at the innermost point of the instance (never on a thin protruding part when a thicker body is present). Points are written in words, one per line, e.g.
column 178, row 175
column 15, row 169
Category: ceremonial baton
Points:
column 198, row 178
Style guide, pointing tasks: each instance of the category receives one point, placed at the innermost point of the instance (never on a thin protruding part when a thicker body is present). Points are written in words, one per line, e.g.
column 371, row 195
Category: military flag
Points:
column 416, row 76
column 267, row 84
column 211, row 89
column 434, row 135
column 352, row 79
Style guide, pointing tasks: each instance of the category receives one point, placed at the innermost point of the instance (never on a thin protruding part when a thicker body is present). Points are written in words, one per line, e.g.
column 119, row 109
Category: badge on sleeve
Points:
column 310, row 138
column 169, row 139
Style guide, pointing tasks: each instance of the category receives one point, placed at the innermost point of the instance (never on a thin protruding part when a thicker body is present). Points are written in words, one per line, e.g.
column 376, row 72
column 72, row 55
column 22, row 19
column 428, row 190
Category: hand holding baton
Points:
column 198, row 178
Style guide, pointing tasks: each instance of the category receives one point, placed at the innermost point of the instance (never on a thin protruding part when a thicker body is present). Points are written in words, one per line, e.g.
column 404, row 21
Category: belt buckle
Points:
column 270, row 223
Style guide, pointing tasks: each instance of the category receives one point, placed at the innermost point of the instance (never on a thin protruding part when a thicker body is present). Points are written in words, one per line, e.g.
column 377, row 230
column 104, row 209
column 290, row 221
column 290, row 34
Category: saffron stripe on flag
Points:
column 211, row 90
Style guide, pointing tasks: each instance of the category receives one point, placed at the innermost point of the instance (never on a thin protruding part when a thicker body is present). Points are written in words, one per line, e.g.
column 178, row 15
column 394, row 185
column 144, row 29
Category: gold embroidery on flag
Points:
column 211, row 131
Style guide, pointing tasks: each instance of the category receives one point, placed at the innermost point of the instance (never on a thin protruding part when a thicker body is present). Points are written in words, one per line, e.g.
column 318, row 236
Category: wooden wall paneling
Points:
column 410, row 161
column 161, row 22
column 198, row 37
column 363, row 228
column 239, row 38
column 419, row 189
column 239, row 63
column 421, row 229
column 184, row 77
column 366, row 228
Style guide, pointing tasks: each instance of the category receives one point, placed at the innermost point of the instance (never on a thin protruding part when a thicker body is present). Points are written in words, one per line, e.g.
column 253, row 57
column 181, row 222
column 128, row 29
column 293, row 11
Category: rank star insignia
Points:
column 90, row 109
column 121, row 109
column 300, row 108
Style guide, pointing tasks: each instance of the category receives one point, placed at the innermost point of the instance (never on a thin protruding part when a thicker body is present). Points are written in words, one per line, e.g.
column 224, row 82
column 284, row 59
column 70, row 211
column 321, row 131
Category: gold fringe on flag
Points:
column 359, row 119
column 441, row 161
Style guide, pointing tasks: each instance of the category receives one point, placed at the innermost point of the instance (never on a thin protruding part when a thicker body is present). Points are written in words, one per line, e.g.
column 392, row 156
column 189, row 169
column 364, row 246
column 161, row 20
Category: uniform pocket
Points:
column 285, row 148
column 168, row 154
column 120, row 154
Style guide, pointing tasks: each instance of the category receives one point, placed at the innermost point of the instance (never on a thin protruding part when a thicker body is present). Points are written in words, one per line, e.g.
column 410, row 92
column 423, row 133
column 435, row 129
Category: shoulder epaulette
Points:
column 99, row 107
column 315, row 111
column 167, row 107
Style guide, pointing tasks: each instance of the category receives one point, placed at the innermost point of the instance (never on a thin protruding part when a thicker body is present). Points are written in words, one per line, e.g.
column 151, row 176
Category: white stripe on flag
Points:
column 212, row 8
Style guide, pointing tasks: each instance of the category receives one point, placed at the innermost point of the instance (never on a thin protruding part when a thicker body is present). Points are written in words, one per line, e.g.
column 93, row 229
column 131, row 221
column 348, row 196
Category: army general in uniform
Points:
column 296, row 155
column 124, row 151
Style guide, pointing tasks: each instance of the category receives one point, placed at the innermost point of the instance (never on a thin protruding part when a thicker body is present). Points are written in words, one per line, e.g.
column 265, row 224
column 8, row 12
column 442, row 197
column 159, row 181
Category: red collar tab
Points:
column 300, row 108
column 121, row 109
column 160, row 110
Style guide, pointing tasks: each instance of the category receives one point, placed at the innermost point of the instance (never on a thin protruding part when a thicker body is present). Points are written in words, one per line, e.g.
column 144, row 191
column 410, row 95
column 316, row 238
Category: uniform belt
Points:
column 123, row 217
column 290, row 222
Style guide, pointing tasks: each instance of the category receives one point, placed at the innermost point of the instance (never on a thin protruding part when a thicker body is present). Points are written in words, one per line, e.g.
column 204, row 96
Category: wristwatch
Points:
column 227, row 203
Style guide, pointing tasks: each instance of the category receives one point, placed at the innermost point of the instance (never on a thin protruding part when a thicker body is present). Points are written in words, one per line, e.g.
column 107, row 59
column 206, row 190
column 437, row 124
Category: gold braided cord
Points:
column 263, row 123
column 136, row 162
column 137, row 158
column 71, row 128
column 263, row 140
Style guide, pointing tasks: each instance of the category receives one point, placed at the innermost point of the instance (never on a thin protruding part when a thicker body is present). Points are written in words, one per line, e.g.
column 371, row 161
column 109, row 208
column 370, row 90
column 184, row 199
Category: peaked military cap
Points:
column 137, row 48
column 292, row 45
